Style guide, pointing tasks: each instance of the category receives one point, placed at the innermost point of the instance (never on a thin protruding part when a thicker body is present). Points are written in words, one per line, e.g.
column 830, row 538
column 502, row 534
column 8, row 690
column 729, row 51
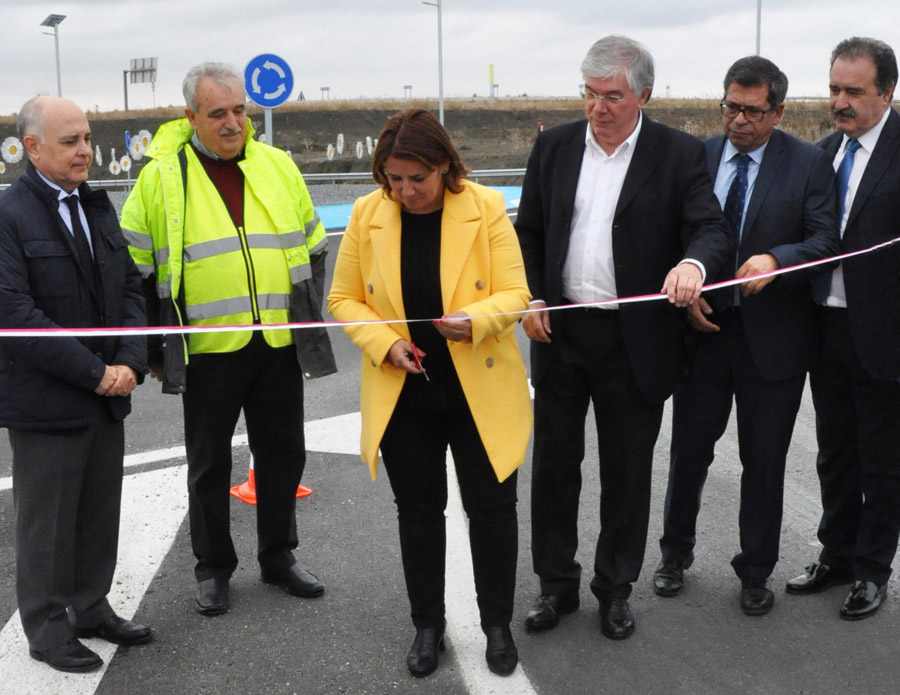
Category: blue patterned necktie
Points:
column 737, row 194
column 843, row 174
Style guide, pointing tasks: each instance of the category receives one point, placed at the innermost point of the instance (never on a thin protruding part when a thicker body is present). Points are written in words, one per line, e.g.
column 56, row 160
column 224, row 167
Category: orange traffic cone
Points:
column 246, row 491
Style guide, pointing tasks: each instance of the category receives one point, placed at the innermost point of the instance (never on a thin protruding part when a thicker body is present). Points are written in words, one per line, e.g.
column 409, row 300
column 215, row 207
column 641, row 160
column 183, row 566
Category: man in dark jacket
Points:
column 64, row 263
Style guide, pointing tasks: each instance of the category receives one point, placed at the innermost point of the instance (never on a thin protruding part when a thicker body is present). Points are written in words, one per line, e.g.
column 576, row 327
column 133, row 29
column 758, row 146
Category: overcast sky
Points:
column 372, row 48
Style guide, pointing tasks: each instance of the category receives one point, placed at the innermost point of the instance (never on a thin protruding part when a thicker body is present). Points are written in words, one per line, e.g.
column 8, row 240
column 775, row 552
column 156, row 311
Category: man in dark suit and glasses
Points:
column 752, row 347
column 612, row 206
column 64, row 263
column 855, row 377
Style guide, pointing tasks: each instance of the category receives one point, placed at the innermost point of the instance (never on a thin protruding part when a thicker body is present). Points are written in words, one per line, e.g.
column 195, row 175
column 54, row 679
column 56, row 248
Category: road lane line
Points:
column 155, row 505
column 463, row 621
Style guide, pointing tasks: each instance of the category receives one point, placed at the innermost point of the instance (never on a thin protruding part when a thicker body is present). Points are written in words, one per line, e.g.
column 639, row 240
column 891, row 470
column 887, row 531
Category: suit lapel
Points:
column 460, row 222
column 384, row 236
column 765, row 177
column 882, row 156
column 714, row 155
column 643, row 162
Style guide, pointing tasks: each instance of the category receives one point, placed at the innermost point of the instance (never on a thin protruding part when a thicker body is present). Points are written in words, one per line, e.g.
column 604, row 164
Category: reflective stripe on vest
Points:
column 232, row 275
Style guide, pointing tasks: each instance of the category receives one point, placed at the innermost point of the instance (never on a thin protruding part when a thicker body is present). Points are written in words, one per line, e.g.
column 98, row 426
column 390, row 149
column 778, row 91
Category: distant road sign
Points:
column 268, row 80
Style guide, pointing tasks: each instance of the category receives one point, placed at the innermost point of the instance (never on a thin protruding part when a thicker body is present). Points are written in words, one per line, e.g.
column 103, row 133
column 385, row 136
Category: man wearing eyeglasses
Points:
column 612, row 206
column 753, row 343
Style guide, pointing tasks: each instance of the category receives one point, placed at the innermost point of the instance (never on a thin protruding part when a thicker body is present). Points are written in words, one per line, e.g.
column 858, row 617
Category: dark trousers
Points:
column 858, row 431
column 267, row 384
column 414, row 449
column 67, row 492
column 721, row 371
column 591, row 365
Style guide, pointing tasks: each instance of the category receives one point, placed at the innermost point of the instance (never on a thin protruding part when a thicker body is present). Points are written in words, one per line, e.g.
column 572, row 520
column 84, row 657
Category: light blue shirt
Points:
column 728, row 169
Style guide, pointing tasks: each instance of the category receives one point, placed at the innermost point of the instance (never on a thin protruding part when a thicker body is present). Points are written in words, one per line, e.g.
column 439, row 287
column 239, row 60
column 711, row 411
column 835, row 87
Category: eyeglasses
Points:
column 592, row 97
column 754, row 114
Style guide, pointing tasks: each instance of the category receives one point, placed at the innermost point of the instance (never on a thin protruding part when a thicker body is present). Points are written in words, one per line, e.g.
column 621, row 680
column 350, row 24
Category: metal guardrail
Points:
column 366, row 177
column 330, row 177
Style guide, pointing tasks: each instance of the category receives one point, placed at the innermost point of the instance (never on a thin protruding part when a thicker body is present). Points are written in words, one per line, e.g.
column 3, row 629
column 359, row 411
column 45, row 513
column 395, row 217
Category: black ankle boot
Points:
column 423, row 655
column 501, row 653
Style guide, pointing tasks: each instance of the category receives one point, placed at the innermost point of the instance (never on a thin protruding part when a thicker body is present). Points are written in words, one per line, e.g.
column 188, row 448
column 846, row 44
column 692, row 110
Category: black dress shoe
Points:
column 818, row 577
column 756, row 597
column 616, row 620
column 296, row 581
column 544, row 614
column 212, row 596
column 71, row 657
column 501, row 653
column 423, row 654
column 118, row 631
column 864, row 600
column 668, row 579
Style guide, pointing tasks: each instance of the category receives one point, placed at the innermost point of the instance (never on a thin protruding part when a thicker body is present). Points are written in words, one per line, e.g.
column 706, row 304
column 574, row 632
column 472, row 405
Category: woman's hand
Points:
column 401, row 356
column 456, row 327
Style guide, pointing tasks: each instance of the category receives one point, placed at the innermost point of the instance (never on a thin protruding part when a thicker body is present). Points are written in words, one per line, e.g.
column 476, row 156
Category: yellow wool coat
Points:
column 482, row 274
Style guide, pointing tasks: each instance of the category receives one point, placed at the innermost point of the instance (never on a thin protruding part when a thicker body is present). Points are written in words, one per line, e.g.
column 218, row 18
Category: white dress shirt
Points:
column 66, row 214
column 588, row 275
column 837, row 297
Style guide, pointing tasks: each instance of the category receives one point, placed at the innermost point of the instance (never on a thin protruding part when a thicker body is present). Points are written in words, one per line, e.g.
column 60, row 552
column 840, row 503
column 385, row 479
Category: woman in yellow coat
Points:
column 438, row 256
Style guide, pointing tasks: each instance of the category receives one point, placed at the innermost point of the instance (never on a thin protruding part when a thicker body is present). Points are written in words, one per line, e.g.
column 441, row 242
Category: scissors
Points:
column 417, row 360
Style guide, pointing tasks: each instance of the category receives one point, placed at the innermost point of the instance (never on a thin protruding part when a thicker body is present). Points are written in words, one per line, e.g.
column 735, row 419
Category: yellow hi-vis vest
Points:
column 232, row 275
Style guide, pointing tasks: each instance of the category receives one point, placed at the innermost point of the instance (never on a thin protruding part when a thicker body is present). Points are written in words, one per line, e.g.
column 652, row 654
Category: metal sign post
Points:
column 268, row 81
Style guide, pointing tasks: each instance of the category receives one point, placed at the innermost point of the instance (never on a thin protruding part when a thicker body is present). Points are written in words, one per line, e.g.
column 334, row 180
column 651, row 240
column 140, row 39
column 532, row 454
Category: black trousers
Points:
column 414, row 450
column 858, row 432
column 67, row 492
column 267, row 384
column 591, row 366
column 722, row 371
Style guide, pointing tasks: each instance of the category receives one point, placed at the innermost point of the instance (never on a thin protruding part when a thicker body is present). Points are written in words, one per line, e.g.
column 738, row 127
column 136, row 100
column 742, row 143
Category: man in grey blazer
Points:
column 751, row 346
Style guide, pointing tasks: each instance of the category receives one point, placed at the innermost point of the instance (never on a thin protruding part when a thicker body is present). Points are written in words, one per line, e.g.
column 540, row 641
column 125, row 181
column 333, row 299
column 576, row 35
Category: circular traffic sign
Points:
column 268, row 80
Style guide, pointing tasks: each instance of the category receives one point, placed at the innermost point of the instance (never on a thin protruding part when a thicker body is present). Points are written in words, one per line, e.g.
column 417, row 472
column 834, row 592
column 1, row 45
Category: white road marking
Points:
column 154, row 505
column 159, row 495
column 463, row 621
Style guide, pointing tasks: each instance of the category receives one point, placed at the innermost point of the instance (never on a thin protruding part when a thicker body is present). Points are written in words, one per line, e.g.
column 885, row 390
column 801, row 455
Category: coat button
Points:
column 489, row 362
column 479, row 285
column 370, row 289
column 373, row 363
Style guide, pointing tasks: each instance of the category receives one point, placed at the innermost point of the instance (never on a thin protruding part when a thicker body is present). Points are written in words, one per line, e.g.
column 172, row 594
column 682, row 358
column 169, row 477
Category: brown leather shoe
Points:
column 818, row 577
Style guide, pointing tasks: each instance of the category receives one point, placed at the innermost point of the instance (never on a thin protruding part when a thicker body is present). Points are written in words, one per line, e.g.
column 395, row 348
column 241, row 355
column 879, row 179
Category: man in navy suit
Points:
column 855, row 377
column 752, row 346
column 612, row 206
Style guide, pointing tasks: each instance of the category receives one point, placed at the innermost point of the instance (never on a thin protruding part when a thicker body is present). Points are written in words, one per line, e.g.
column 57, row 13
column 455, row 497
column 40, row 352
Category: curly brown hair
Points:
column 416, row 135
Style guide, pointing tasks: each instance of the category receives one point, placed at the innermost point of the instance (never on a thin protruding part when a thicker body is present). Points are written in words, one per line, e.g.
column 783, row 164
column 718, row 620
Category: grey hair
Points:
column 220, row 73
column 30, row 120
column 613, row 55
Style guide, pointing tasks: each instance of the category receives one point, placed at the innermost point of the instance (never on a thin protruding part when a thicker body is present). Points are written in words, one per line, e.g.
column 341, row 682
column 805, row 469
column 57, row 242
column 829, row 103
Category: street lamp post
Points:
column 758, row 23
column 437, row 4
column 53, row 22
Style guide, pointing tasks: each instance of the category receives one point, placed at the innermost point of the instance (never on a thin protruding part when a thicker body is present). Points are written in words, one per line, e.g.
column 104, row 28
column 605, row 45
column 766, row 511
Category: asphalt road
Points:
column 355, row 638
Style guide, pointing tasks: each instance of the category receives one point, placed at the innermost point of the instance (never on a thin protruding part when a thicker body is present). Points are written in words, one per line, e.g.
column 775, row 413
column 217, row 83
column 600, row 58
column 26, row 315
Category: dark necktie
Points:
column 843, row 174
column 737, row 194
column 82, row 247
